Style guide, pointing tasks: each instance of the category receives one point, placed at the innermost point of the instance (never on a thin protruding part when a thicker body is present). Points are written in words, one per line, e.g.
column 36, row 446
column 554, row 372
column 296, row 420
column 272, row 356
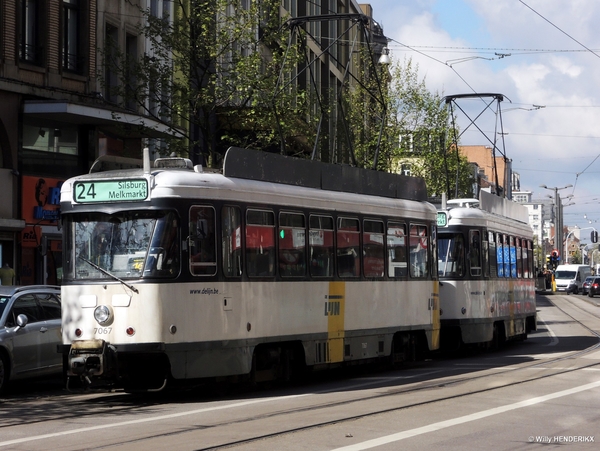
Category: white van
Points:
column 569, row 278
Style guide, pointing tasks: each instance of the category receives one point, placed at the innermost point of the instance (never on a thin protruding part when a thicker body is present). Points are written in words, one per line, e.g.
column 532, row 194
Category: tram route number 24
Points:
column 110, row 190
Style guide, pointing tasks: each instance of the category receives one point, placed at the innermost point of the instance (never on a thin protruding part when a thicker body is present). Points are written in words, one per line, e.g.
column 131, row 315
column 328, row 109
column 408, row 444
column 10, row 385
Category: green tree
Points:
column 415, row 131
column 210, row 71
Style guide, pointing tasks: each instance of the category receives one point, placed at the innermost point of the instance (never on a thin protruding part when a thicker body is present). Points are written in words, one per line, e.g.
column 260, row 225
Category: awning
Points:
column 110, row 119
column 11, row 225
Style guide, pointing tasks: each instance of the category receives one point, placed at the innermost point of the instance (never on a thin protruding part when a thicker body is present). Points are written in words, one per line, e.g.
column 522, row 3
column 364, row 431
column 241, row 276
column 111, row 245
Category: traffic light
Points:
column 554, row 259
column 594, row 236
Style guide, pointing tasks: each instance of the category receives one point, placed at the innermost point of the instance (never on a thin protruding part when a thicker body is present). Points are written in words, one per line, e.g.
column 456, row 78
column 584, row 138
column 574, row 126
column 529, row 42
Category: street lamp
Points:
column 558, row 226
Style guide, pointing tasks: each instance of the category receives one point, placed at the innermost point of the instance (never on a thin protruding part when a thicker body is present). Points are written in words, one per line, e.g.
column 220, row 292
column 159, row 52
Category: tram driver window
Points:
column 451, row 255
column 202, row 242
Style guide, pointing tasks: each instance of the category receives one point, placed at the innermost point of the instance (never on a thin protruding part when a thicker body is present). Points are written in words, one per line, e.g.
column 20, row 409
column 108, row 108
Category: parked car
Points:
column 30, row 326
column 586, row 284
column 594, row 288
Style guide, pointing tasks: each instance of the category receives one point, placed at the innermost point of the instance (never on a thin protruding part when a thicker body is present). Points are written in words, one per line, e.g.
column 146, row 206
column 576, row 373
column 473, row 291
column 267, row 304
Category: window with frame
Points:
column 292, row 244
column 111, row 52
column 231, row 239
column 72, row 42
column 501, row 253
column 475, row 253
column 348, row 247
column 321, row 246
column 512, row 257
column 373, row 249
column 30, row 49
column 25, row 305
column 260, row 243
column 202, row 242
column 131, row 56
column 419, row 251
column 485, row 256
column 396, row 250
column 50, row 306
column 492, row 258
column 519, row 257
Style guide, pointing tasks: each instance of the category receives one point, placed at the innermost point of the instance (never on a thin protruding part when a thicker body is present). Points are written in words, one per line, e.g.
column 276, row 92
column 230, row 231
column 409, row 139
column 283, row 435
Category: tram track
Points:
column 462, row 386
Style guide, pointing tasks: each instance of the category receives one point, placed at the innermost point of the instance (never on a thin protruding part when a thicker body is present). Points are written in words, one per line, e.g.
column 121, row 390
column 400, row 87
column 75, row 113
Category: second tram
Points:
column 486, row 271
column 270, row 267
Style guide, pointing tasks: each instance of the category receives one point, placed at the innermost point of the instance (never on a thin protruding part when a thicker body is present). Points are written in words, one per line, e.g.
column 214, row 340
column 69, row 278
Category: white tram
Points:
column 273, row 266
column 485, row 266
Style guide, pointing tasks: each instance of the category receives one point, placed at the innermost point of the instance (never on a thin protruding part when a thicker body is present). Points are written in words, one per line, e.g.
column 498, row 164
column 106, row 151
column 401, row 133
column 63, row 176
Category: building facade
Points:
column 55, row 120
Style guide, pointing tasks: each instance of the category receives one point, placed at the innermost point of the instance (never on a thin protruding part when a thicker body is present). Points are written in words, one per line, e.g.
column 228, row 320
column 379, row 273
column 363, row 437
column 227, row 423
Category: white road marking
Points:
column 144, row 420
column 464, row 419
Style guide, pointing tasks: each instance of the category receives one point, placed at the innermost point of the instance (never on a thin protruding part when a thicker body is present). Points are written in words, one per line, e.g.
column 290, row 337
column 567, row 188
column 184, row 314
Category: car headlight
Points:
column 103, row 314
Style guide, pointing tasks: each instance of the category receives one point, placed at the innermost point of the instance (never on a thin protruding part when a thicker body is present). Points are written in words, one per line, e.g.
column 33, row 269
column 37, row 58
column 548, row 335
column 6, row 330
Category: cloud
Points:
column 457, row 45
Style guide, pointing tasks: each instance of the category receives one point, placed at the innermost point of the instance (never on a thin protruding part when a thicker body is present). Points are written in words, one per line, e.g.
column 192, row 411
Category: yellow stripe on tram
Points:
column 334, row 310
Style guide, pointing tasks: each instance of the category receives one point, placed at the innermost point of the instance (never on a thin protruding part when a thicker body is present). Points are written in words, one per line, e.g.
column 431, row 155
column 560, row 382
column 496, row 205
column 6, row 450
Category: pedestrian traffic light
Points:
column 594, row 236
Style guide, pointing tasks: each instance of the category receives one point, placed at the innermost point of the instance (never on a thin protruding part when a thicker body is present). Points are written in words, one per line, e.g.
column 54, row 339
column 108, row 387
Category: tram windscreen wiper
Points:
column 104, row 271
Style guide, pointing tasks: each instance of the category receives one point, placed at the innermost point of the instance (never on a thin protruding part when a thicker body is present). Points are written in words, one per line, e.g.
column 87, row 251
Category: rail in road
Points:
column 558, row 364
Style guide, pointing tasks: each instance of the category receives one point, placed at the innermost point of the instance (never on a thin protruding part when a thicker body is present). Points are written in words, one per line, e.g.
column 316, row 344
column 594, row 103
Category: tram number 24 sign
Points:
column 89, row 192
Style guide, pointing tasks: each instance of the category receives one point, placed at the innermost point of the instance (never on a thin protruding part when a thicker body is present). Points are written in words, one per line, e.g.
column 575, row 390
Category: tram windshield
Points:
column 125, row 245
column 451, row 255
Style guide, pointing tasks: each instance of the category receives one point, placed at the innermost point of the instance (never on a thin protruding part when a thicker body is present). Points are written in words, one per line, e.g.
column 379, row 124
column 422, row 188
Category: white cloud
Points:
column 548, row 66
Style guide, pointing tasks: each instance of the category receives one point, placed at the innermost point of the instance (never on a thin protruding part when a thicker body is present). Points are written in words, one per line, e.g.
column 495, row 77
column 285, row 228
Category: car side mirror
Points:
column 21, row 321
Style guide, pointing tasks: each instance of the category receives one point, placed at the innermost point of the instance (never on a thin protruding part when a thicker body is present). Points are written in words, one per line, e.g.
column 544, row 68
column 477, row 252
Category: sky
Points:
column 543, row 57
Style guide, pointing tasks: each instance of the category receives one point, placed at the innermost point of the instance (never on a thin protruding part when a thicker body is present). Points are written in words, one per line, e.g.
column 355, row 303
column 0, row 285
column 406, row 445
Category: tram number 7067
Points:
column 102, row 330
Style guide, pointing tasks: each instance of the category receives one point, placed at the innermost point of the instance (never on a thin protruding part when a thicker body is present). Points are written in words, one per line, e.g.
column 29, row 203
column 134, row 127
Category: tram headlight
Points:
column 103, row 315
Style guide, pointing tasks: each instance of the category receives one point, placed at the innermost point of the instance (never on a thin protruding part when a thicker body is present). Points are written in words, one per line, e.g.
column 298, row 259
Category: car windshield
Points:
column 125, row 245
column 565, row 274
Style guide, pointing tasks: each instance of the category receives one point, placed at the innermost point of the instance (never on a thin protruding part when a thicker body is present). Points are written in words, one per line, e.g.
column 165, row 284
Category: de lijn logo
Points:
column 46, row 195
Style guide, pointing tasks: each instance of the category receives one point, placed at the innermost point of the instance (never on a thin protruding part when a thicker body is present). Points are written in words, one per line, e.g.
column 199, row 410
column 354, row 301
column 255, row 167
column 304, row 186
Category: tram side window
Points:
column 320, row 242
column 493, row 260
column 475, row 253
column 348, row 247
column 485, row 256
column 231, row 239
column 292, row 245
column 513, row 257
column 396, row 242
column 202, row 241
column 260, row 243
column 528, row 260
column 502, row 256
column 520, row 256
column 418, row 251
column 373, row 249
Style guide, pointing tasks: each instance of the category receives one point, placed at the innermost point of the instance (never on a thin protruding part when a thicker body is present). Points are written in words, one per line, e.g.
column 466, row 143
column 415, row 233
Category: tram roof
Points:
column 489, row 209
column 263, row 166
column 267, row 176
